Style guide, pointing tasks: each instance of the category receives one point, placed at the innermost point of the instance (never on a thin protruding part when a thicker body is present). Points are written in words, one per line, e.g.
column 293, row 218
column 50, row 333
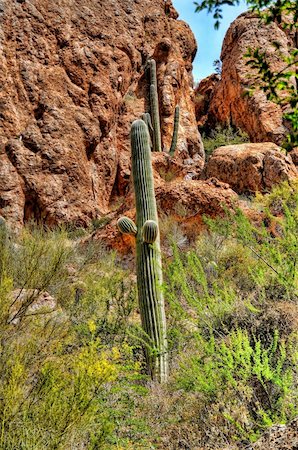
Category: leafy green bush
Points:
column 261, row 377
column 51, row 396
column 273, row 240
column 221, row 136
column 232, row 327
column 57, row 364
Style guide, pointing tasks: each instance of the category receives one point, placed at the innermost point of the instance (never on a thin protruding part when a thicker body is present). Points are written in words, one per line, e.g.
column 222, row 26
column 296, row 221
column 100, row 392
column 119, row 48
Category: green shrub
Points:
column 272, row 241
column 51, row 396
column 261, row 377
column 56, row 366
column 221, row 136
column 232, row 327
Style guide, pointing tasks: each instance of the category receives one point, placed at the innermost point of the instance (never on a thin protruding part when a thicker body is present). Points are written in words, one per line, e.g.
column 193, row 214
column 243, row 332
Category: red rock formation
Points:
column 192, row 199
column 260, row 118
column 184, row 201
column 72, row 80
column 294, row 155
column 251, row 167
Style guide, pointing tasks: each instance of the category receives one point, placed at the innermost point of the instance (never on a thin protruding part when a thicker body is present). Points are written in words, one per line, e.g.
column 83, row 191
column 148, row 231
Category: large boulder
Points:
column 72, row 80
column 182, row 201
column 193, row 199
column 251, row 167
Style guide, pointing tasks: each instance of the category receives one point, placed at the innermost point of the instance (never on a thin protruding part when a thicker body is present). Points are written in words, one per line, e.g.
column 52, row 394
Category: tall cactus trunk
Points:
column 149, row 269
column 175, row 131
column 154, row 107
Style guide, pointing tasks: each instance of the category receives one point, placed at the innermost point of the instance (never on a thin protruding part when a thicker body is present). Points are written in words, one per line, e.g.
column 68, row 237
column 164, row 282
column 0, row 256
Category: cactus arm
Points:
column 175, row 131
column 149, row 273
column 147, row 119
column 154, row 106
column 155, row 119
column 127, row 226
column 152, row 68
column 150, row 231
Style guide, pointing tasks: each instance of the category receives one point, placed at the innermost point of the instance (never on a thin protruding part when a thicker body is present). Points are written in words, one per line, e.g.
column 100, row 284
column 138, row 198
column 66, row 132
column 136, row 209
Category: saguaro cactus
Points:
column 175, row 131
column 154, row 106
column 148, row 257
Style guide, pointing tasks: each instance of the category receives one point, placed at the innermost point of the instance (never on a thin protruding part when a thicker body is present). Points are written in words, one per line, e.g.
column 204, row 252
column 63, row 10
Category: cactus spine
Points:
column 154, row 106
column 149, row 272
column 175, row 131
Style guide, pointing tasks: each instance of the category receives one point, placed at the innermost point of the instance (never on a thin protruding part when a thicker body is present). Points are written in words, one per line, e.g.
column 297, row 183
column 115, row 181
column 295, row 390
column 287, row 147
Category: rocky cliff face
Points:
column 72, row 79
column 227, row 102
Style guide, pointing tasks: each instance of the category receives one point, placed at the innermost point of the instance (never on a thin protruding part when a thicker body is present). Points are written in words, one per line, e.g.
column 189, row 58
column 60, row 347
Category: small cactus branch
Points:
column 150, row 231
column 149, row 273
column 152, row 68
column 127, row 226
column 175, row 131
column 147, row 119
column 154, row 107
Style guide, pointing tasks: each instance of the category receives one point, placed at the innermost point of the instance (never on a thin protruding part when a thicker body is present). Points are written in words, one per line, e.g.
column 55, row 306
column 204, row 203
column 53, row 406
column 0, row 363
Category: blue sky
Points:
column 209, row 40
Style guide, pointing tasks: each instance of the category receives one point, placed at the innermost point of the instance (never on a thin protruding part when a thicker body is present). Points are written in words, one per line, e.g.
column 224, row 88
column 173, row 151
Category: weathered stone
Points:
column 192, row 199
column 30, row 302
column 251, row 167
column 294, row 155
column 203, row 95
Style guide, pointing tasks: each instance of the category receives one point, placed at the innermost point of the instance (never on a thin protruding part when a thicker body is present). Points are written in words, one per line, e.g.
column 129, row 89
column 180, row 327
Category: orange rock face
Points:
column 294, row 155
column 195, row 198
column 72, row 79
column 251, row 167
column 260, row 118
